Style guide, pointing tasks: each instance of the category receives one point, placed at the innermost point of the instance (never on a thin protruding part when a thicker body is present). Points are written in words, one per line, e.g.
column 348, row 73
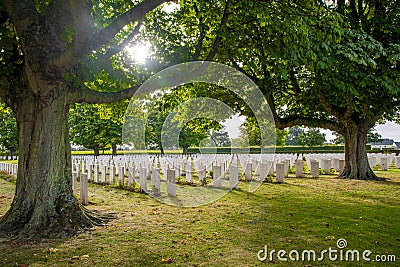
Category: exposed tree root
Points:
column 347, row 173
column 52, row 225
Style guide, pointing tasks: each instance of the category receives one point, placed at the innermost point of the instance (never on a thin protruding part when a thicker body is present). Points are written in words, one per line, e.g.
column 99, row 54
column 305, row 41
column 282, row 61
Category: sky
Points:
column 389, row 130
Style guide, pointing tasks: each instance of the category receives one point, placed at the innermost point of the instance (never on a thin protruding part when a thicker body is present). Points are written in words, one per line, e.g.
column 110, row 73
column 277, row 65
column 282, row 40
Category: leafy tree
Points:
column 221, row 138
column 312, row 137
column 47, row 48
column 90, row 129
column 373, row 136
column 292, row 139
column 193, row 128
column 8, row 130
column 322, row 64
column 250, row 131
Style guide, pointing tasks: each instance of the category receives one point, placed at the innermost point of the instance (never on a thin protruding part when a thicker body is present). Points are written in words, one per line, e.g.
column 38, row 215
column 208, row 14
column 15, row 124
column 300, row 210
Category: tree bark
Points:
column 44, row 205
column 96, row 150
column 356, row 160
column 114, row 149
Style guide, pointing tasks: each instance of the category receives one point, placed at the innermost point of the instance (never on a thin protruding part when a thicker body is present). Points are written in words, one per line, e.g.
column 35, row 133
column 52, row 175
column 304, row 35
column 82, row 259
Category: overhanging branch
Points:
column 291, row 121
column 73, row 55
column 86, row 95
column 218, row 39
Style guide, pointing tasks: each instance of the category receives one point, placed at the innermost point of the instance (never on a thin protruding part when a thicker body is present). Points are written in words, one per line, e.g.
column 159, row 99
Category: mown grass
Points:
column 300, row 214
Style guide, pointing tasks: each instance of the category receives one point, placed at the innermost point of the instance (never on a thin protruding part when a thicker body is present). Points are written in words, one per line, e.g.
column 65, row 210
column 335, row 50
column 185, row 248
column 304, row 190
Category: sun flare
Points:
column 140, row 52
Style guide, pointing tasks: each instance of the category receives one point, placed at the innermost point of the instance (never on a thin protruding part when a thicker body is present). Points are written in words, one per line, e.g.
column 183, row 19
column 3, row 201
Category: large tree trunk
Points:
column 43, row 205
column 356, row 160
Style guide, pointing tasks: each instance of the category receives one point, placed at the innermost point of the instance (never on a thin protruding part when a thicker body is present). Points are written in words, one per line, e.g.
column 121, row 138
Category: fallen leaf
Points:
column 329, row 237
column 84, row 257
column 168, row 260
column 53, row 250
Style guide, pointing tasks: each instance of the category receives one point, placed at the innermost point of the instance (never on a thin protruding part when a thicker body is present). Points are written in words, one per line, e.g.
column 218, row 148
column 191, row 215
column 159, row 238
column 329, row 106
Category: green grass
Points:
column 301, row 214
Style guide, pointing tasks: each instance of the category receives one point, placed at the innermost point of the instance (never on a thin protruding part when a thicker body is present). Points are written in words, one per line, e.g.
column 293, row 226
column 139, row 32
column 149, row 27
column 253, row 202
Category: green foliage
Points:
column 42, row 6
column 8, row 130
column 91, row 128
column 68, row 35
column 174, row 111
column 221, row 138
column 11, row 57
column 312, row 137
column 250, row 131
column 292, row 139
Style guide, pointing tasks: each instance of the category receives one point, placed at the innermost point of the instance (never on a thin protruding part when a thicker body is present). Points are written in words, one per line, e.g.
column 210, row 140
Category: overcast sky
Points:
column 388, row 130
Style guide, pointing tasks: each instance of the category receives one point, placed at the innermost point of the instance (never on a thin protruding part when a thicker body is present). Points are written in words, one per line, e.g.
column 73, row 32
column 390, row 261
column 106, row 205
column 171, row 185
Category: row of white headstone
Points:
column 142, row 168
column 127, row 171
column 10, row 168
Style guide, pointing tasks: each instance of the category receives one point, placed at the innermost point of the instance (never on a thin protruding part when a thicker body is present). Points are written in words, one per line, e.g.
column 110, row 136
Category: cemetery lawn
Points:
column 302, row 214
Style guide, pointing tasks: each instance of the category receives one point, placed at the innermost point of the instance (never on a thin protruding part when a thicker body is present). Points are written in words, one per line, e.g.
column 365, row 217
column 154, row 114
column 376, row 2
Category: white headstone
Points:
column 217, row 176
column 189, row 172
column 248, row 172
column 233, row 176
column 111, row 173
column 96, row 173
column 299, row 168
column 171, row 183
column 155, row 181
column 326, row 165
column 142, row 179
column 280, row 172
column 314, row 169
column 84, row 193
column 131, row 175
column 121, row 176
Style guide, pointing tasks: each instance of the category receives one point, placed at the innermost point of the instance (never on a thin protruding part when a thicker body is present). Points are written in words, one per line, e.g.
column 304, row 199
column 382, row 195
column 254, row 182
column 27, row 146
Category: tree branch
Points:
column 290, row 121
column 252, row 75
column 86, row 95
column 83, row 23
column 293, row 120
column 328, row 107
column 23, row 13
column 73, row 55
column 218, row 39
column 201, row 34
column 296, row 87
column 118, row 48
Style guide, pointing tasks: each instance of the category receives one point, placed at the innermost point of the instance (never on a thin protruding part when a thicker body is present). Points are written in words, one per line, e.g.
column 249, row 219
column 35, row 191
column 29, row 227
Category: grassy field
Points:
column 302, row 214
